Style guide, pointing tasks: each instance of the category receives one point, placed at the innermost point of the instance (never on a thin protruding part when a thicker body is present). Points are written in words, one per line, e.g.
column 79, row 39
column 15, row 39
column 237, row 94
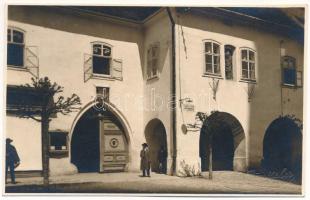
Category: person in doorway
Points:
column 11, row 160
column 145, row 164
column 162, row 159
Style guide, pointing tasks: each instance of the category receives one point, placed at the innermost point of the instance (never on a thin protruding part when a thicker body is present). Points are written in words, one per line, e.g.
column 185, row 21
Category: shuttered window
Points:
column 152, row 61
column 16, row 44
column 101, row 64
column 101, row 59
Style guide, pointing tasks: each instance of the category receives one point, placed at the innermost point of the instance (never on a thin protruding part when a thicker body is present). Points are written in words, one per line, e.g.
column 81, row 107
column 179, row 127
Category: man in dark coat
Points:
column 145, row 164
column 11, row 160
column 162, row 159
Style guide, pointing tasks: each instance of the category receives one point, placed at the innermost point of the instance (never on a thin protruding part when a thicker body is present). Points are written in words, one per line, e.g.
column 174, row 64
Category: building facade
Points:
column 155, row 73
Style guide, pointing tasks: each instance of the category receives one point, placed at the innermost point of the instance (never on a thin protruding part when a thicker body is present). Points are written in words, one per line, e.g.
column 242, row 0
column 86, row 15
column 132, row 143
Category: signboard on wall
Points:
column 189, row 106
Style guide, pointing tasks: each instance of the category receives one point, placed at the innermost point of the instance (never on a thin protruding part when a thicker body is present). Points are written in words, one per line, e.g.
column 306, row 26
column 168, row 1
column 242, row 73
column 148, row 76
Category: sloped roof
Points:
column 285, row 18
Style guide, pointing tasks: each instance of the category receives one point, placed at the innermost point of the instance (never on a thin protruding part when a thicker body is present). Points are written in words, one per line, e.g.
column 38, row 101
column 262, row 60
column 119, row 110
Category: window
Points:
column 229, row 57
column 101, row 59
column 58, row 141
column 100, row 64
column 15, row 54
column 290, row 76
column 212, row 58
column 152, row 61
column 248, row 64
column 103, row 92
column 26, row 98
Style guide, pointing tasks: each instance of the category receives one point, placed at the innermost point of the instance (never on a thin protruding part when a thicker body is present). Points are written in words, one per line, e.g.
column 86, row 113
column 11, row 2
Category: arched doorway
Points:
column 283, row 147
column 156, row 138
column 99, row 143
column 228, row 144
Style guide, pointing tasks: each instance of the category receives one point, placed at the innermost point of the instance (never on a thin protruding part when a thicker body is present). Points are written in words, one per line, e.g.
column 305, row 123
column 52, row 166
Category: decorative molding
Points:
column 214, row 87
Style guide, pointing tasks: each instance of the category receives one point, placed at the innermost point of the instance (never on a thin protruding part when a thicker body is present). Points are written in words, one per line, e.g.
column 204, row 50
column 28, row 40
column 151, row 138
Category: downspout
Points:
column 173, row 93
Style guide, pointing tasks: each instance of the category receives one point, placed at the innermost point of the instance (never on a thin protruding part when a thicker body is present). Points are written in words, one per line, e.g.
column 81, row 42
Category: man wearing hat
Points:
column 145, row 164
column 11, row 160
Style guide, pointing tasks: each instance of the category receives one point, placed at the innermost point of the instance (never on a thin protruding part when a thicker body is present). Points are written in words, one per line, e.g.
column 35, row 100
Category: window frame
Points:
column 13, row 28
column 205, row 73
column 110, row 57
column 248, row 78
column 233, row 61
column 296, row 72
column 58, row 153
column 156, row 57
column 106, row 91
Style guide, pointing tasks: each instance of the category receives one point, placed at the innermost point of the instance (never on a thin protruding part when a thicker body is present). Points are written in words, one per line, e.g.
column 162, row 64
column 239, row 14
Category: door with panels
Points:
column 113, row 146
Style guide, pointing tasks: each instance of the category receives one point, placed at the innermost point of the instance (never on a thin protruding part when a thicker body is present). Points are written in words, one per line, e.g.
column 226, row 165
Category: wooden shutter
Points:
column 155, row 60
column 117, row 69
column 88, row 67
column 32, row 60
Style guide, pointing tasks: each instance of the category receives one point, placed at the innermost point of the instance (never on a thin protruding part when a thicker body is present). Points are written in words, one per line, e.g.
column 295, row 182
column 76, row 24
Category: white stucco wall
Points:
column 157, row 91
column 232, row 97
column 63, row 38
column 62, row 41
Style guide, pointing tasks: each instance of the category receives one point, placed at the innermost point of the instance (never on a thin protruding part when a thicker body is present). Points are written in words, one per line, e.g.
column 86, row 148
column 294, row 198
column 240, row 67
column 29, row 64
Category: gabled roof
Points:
column 289, row 20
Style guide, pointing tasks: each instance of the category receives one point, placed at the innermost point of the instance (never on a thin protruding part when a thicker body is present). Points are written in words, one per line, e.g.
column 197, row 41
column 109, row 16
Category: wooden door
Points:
column 113, row 147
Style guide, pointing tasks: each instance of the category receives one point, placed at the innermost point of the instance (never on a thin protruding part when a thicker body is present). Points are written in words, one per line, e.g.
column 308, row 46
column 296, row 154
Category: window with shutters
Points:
column 248, row 65
column 19, row 56
column 101, row 64
column 16, row 46
column 290, row 75
column 152, row 61
column 212, row 58
column 102, row 55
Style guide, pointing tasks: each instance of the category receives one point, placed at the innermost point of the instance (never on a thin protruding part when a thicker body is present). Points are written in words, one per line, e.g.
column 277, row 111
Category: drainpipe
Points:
column 173, row 93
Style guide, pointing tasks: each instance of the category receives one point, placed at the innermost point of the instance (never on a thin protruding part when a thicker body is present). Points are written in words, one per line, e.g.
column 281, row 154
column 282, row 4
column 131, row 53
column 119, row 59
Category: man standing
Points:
column 145, row 164
column 11, row 160
column 162, row 159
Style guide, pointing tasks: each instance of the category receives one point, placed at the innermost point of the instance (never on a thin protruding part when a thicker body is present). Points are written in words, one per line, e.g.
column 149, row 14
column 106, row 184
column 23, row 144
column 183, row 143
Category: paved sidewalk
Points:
column 224, row 182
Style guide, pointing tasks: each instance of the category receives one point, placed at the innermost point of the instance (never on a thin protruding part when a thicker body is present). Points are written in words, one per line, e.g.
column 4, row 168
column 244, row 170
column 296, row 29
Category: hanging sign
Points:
column 189, row 106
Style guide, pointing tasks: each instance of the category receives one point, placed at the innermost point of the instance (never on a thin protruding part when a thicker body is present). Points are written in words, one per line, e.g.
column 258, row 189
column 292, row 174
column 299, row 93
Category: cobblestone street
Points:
column 224, row 182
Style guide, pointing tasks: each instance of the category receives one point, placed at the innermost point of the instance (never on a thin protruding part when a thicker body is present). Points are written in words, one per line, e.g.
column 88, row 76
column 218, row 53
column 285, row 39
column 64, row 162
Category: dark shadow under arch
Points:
column 228, row 144
column 282, row 147
column 156, row 138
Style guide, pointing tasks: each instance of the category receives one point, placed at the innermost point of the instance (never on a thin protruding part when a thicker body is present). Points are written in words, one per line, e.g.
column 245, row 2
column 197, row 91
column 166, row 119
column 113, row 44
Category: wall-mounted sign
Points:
column 189, row 106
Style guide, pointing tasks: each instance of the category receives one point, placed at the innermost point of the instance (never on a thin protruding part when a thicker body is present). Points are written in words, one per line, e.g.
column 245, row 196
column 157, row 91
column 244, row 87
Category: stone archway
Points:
column 282, row 147
column 229, row 150
column 156, row 138
column 99, row 142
